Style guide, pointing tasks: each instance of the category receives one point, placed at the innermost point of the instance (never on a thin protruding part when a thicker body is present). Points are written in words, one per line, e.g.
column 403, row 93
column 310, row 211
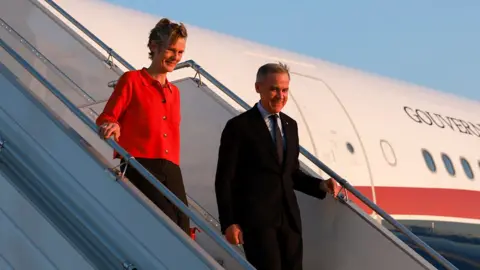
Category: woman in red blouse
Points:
column 143, row 115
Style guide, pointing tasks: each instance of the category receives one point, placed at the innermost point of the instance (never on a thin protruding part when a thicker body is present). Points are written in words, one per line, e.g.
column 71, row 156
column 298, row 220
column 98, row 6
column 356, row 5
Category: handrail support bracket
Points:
column 110, row 58
column 199, row 79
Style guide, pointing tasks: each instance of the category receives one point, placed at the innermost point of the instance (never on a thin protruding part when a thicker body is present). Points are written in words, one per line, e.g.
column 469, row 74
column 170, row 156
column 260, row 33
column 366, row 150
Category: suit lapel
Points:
column 264, row 136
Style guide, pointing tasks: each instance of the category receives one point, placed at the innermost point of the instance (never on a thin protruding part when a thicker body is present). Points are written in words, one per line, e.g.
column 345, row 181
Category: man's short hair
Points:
column 270, row 68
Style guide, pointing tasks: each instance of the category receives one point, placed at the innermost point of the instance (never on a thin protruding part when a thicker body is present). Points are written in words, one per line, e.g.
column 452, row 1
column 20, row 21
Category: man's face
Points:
column 273, row 91
column 168, row 58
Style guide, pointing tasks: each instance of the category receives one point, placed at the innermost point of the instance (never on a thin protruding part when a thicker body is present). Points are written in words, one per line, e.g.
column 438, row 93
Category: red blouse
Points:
column 148, row 115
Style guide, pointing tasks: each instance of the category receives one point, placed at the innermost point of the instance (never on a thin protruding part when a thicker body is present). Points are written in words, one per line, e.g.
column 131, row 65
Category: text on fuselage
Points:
column 441, row 121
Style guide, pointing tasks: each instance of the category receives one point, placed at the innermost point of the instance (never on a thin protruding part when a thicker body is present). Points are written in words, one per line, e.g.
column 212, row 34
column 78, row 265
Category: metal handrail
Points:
column 190, row 63
column 204, row 226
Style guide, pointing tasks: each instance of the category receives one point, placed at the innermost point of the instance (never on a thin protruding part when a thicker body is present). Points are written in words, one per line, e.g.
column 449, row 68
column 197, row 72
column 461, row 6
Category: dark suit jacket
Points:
column 252, row 188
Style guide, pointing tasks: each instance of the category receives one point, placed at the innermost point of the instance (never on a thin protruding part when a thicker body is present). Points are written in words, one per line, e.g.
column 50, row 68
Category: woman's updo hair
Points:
column 166, row 33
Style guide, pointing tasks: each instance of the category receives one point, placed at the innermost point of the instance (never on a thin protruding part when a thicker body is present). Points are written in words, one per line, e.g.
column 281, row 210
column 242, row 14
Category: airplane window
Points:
column 388, row 152
column 350, row 148
column 448, row 164
column 467, row 168
column 429, row 160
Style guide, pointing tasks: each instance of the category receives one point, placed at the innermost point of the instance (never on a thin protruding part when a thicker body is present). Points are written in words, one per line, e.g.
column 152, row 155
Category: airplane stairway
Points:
column 54, row 81
column 106, row 224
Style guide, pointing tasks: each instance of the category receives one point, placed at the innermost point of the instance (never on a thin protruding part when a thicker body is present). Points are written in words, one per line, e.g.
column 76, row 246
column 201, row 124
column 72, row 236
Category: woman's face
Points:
column 168, row 57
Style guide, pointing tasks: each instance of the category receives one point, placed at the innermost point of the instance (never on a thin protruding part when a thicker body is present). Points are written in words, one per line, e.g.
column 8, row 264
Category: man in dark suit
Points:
column 257, row 173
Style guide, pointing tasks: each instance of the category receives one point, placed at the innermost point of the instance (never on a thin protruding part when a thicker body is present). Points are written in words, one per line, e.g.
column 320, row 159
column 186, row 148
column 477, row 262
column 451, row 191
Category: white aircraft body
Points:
column 413, row 151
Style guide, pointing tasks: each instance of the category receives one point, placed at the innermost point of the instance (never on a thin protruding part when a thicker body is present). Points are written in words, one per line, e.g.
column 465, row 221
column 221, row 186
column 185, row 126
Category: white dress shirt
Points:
column 265, row 114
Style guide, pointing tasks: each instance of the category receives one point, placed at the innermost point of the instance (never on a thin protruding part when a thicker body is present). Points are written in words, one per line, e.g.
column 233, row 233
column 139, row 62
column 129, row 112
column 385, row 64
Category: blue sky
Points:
column 427, row 42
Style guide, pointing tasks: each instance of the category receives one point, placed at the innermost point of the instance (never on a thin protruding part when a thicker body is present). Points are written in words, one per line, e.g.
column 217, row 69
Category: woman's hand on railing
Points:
column 106, row 130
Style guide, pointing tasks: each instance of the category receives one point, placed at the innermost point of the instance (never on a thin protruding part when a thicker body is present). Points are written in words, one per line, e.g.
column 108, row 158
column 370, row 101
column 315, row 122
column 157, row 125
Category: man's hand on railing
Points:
column 108, row 129
column 331, row 187
column 234, row 234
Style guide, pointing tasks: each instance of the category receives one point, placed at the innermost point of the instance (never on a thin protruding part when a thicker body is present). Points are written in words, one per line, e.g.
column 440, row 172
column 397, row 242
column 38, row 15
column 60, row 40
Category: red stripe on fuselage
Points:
column 423, row 201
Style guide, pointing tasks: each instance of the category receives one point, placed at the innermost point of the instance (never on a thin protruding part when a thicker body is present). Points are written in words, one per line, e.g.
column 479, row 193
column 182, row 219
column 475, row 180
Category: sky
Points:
column 430, row 43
